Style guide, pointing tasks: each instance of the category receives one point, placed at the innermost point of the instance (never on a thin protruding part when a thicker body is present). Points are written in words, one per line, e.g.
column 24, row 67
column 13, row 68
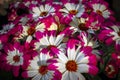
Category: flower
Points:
column 75, row 62
column 14, row 58
column 101, row 9
column 73, row 9
column 41, row 69
column 50, row 41
column 42, row 11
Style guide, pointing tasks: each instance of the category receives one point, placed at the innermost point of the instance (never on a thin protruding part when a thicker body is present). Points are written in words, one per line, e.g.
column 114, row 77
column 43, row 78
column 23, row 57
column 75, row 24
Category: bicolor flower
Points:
column 73, row 9
column 40, row 69
column 14, row 58
column 50, row 41
column 111, row 35
column 29, row 31
column 101, row 9
column 79, row 25
column 43, row 11
column 75, row 62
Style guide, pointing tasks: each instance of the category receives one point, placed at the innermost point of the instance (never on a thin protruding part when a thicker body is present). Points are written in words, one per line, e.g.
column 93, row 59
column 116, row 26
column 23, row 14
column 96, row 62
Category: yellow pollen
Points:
column 74, row 12
column 43, row 70
column 43, row 13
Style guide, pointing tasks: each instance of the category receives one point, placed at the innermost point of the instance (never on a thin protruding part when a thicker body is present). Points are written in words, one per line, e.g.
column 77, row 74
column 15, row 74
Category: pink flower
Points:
column 14, row 58
column 76, row 61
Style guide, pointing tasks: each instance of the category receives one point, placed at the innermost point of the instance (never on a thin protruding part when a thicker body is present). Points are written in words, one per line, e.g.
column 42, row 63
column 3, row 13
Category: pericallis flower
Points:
column 79, row 25
column 28, row 31
column 42, row 11
column 50, row 41
column 14, row 58
column 73, row 9
column 111, row 35
column 40, row 68
column 89, row 40
column 75, row 62
column 101, row 9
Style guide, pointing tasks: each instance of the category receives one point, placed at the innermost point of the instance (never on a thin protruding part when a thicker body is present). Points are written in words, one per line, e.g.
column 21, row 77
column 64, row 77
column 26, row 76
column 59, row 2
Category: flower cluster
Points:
column 65, row 40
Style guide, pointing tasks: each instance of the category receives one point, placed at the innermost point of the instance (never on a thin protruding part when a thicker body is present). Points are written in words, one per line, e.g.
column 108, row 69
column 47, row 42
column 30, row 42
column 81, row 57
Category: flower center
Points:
column 50, row 46
column 71, row 66
column 16, row 58
column 74, row 12
column 31, row 31
column 82, row 27
column 44, row 13
column 118, row 33
column 99, row 12
column 43, row 70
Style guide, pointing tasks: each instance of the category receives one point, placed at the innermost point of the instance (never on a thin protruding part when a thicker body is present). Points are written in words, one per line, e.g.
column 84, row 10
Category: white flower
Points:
column 42, row 11
column 15, row 57
column 72, row 65
column 74, row 9
column 38, row 68
column 101, row 10
column 29, row 31
column 50, row 41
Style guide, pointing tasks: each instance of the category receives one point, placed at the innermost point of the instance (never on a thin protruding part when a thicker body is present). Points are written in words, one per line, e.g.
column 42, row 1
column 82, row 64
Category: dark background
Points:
column 114, row 6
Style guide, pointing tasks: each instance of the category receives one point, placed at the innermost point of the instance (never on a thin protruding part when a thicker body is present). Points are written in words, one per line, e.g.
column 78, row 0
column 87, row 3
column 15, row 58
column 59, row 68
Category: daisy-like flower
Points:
column 14, row 58
column 50, row 41
column 79, row 25
column 88, row 40
column 111, row 35
column 29, row 31
column 75, row 62
column 43, row 11
column 39, row 68
column 73, row 9
column 101, row 9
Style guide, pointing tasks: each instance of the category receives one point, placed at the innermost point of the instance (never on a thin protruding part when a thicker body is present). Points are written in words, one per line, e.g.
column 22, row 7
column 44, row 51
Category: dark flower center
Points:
column 43, row 14
column 99, row 12
column 74, row 12
column 82, row 27
column 118, row 33
column 71, row 66
column 31, row 31
column 43, row 70
column 50, row 46
column 16, row 58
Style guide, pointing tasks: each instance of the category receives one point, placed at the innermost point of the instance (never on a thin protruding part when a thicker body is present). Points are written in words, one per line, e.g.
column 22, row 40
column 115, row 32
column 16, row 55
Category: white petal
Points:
column 71, row 53
column 29, row 38
column 51, row 40
column 44, row 40
column 32, row 73
column 68, row 6
column 73, row 76
column 81, row 77
column 36, row 10
column 59, row 39
column 79, row 57
column 65, row 76
column 83, row 68
column 62, row 57
column 47, row 7
column 42, row 8
column 83, row 60
column 37, row 77
column 64, row 10
column 102, row 7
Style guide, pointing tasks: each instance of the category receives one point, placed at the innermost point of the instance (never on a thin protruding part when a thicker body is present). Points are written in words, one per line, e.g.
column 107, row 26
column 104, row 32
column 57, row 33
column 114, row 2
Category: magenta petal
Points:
column 15, row 70
column 93, row 70
column 24, row 74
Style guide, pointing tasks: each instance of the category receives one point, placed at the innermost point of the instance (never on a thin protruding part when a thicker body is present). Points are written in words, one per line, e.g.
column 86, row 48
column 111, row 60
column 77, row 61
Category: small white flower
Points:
column 101, row 10
column 74, row 9
column 15, row 57
column 38, row 68
column 42, row 11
